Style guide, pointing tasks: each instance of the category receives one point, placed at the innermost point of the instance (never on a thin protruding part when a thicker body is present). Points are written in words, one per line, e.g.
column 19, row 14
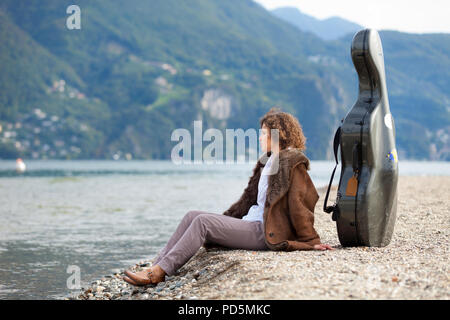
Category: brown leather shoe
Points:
column 130, row 281
column 137, row 279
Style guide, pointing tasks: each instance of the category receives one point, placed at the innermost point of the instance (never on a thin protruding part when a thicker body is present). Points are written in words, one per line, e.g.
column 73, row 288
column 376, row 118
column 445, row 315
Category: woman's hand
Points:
column 322, row 246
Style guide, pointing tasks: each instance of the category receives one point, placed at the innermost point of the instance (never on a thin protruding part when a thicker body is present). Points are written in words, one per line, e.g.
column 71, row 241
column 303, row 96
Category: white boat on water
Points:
column 20, row 165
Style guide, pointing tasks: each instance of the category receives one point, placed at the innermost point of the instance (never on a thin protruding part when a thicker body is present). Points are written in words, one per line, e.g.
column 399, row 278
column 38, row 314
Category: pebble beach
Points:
column 413, row 266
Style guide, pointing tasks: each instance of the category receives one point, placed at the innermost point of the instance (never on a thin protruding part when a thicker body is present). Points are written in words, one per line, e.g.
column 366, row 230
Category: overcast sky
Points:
column 417, row 16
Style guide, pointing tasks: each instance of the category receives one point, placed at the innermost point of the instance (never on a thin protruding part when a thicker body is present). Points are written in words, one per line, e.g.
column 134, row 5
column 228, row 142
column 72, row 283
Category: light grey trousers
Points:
column 196, row 227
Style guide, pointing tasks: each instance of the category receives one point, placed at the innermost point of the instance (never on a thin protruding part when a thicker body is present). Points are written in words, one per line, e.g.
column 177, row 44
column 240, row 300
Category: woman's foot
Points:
column 151, row 275
column 129, row 281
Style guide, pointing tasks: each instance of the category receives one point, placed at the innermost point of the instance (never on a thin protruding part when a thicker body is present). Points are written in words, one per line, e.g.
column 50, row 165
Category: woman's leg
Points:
column 217, row 228
column 182, row 226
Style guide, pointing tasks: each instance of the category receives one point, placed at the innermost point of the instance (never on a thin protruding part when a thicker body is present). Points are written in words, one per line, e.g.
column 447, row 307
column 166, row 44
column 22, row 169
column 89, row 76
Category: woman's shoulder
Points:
column 291, row 157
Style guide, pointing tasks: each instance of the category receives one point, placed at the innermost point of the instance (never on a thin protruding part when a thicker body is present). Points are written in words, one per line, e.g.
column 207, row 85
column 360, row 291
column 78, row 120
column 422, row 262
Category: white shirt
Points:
column 256, row 212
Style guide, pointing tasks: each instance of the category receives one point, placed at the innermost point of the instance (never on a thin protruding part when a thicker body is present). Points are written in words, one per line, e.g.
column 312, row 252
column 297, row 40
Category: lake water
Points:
column 102, row 215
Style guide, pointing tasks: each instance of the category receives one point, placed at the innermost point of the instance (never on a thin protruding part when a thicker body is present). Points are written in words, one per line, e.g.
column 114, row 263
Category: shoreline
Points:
column 412, row 266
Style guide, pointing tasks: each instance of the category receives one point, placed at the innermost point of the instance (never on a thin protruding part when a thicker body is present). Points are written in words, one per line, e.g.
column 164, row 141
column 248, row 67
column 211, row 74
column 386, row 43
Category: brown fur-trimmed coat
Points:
column 290, row 202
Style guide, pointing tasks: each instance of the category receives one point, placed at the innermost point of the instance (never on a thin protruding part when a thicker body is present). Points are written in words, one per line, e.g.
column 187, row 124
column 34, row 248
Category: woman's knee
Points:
column 190, row 215
column 202, row 219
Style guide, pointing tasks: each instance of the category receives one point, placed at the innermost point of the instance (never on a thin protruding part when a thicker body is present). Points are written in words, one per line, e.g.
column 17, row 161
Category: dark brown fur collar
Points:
column 279, row 182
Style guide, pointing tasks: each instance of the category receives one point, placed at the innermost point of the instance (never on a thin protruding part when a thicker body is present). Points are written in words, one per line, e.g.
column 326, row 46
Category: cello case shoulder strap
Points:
column 336, row 142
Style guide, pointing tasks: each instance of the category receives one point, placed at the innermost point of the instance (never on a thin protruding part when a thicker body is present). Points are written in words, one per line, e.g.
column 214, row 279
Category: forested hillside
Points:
column 137, row 70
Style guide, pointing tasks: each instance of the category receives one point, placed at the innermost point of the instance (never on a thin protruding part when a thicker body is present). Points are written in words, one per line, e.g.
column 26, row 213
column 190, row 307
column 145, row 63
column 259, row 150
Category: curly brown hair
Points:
column 289, row 129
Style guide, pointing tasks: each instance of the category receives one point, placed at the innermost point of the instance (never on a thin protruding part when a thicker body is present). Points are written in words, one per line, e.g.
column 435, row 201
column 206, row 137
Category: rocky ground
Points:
column 413, row 266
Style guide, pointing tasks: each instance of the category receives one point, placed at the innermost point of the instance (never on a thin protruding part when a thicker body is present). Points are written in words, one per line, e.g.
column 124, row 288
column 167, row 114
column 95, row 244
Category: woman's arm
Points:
column 248, row 198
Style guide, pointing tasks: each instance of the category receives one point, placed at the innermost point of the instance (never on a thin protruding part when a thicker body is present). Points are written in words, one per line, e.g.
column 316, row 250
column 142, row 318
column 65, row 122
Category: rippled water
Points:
column 101, row 215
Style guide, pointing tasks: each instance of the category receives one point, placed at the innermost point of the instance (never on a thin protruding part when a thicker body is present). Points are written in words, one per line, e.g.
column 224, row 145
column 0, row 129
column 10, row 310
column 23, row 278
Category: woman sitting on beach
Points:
column 275, row 212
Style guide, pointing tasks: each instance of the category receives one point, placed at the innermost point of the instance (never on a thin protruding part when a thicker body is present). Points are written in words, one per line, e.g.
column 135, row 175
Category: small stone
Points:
column 135, row 291
column 100, row 289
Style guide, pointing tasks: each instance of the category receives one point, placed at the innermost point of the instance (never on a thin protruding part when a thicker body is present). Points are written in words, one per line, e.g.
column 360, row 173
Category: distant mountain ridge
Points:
column 328, row 29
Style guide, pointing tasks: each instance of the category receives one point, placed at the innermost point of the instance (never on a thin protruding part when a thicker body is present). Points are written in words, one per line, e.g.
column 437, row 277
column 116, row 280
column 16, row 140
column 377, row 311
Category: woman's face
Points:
column 264, row 139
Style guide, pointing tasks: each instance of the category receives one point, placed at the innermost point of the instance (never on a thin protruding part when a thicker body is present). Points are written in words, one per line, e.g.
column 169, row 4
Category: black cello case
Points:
column 366, row 204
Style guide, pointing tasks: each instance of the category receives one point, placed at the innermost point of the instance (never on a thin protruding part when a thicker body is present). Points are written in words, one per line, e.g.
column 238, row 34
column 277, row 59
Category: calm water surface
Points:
column 102, row 215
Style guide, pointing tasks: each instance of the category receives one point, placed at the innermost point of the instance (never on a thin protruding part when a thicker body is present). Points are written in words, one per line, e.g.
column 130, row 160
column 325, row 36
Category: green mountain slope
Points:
column 137, row 70
column 418, row 76
column 27, row 68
